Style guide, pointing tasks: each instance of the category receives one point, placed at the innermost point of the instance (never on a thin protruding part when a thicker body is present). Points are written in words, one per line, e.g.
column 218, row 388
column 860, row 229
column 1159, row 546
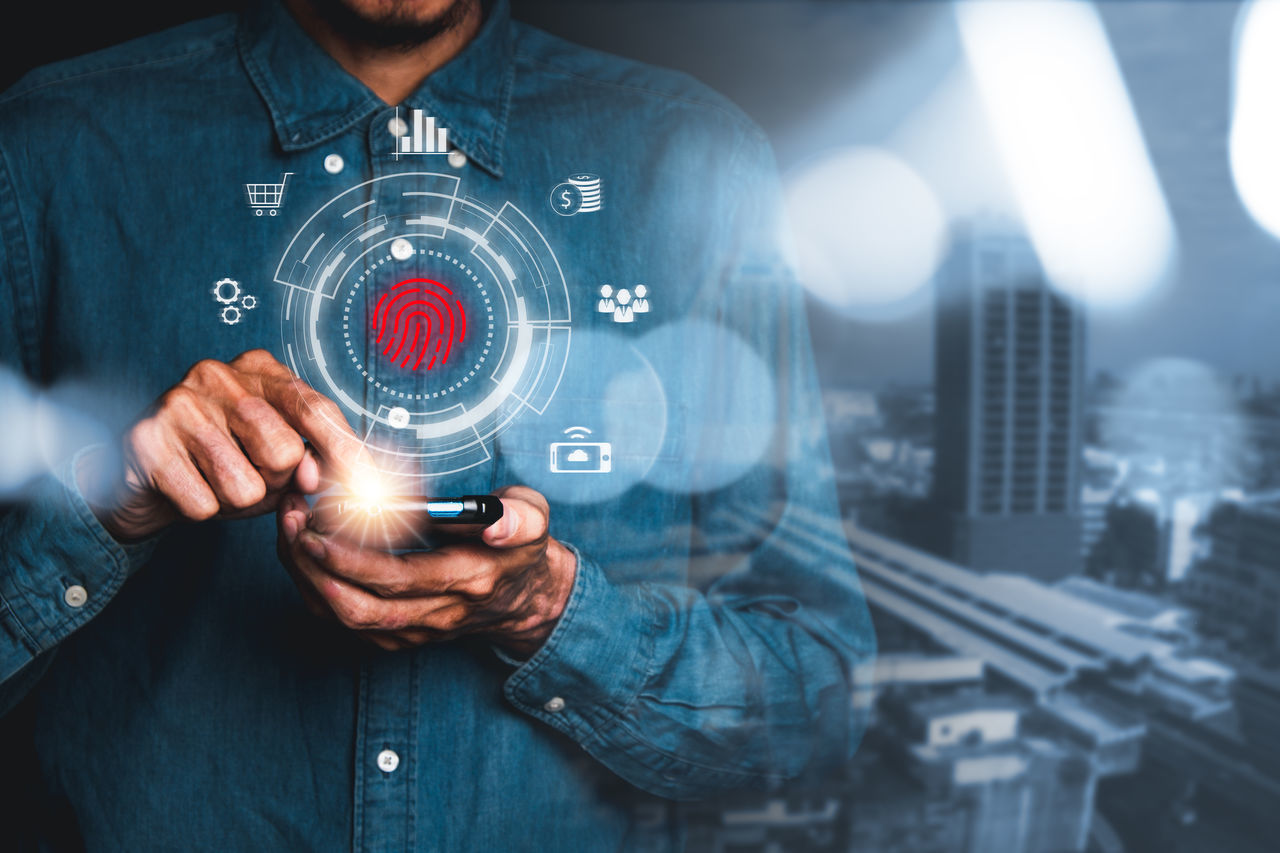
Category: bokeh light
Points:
column 1181, row 426
column 39, row 432
column 721, row 417
column 866, row 230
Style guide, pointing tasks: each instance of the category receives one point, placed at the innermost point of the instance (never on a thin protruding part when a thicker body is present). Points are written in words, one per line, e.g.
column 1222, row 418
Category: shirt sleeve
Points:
column 58, row 565
column 688, row 692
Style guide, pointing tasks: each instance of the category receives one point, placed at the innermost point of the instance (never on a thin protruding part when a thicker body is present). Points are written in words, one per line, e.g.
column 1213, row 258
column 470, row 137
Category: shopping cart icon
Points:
column 267, row 196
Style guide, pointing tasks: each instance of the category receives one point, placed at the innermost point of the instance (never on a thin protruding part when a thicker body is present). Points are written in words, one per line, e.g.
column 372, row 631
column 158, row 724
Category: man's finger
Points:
column 320, row 421
column 272, row 445
column 524, row 519
column 356, row 607
column 457, row 572
column 308, row 477
column 382, row 574
column 232, row 477
column 177, row 478
column 291, row 517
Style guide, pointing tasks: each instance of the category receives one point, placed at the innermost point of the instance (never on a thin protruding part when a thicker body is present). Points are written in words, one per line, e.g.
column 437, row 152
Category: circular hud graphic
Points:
column 431, row 318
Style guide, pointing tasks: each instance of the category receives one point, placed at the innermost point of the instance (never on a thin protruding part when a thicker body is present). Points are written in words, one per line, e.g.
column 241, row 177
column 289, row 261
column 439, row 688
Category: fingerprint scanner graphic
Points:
column 418, row 321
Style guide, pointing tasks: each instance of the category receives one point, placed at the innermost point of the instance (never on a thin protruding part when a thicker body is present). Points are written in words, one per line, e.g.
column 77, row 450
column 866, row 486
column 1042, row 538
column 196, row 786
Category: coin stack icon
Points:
column 589, row 186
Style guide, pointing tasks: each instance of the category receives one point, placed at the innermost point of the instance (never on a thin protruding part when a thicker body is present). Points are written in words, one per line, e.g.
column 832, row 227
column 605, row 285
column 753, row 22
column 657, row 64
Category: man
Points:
column 676, row 616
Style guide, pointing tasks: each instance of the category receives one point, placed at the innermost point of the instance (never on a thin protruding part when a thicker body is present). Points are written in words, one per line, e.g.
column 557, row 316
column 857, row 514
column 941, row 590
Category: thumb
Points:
column 525, row 519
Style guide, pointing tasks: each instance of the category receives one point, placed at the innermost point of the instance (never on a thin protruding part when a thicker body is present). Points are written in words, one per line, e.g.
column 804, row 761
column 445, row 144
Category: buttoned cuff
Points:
column 58, row 569
column 592, row 667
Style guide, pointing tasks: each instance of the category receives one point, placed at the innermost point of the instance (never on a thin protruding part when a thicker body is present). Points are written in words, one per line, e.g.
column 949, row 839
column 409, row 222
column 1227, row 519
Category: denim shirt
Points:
column 187, row 700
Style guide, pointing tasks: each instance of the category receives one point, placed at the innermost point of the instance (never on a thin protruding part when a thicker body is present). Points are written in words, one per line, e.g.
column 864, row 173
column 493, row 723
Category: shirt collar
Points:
column 311, row 98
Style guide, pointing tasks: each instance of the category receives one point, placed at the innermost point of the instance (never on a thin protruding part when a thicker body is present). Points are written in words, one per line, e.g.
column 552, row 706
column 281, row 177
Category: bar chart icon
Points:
column 422, row 137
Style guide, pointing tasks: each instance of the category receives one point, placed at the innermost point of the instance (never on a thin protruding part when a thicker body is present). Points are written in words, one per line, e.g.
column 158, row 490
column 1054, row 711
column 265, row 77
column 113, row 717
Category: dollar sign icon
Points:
column 566, row 199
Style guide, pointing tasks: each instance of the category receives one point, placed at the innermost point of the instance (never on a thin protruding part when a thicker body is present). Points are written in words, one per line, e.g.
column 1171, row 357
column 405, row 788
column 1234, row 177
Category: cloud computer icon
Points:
column 578, row 456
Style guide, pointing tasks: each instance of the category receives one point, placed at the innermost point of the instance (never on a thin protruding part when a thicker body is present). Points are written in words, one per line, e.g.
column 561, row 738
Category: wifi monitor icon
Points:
column 580, row 456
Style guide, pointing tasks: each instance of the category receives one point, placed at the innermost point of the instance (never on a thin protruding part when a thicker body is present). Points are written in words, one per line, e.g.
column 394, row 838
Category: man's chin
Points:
column 403, row 24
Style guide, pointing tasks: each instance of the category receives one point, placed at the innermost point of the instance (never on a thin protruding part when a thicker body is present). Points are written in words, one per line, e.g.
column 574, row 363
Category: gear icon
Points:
column 249, row 302
column 226, row 291
column 231, row 315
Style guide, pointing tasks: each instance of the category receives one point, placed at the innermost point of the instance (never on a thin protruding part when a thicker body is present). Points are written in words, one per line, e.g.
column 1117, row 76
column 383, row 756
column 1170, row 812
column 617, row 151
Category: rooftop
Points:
column 915, row 668
column 1102, row 723
column 1135, row 605
column 1037, row 636
column 961, row 703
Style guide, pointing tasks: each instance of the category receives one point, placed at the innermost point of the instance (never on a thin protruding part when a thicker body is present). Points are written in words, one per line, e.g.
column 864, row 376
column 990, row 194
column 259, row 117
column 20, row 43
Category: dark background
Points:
column 47, row 32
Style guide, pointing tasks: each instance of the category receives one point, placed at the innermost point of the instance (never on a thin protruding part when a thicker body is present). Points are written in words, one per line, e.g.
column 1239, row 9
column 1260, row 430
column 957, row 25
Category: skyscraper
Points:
column 1009, row 377
column 1235, row 585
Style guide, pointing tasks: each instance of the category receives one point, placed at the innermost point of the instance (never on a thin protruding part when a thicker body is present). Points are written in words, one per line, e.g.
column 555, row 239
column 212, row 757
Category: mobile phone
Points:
column 468, row 509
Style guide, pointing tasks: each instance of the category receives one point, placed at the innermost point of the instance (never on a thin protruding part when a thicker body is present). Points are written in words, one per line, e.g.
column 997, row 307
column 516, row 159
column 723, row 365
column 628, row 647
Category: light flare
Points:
column 1255, row 121
column 1071, row 144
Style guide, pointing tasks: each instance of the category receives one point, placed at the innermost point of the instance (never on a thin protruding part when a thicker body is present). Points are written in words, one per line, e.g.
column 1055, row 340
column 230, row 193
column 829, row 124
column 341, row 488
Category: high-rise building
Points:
column 1009, row 381
column 1234, row 587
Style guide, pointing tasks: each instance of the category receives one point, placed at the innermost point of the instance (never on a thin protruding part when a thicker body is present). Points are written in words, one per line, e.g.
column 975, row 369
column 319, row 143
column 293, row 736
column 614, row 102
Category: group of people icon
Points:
column 623, row 304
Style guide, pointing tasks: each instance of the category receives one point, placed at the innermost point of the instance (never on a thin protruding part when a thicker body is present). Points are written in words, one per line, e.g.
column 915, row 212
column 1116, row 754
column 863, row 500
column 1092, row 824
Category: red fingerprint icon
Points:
column 419, row 319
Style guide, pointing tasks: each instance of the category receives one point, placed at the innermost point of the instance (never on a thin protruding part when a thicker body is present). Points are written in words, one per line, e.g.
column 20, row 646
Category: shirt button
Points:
column 555, row 705
column 75, row 596
column 457, row 159
column 397, row 126
column 333, row 164
column 388, row 761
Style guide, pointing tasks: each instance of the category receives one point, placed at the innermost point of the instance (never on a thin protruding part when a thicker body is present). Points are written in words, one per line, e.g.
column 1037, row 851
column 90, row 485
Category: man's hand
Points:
column 508, row 582
column 226, row 441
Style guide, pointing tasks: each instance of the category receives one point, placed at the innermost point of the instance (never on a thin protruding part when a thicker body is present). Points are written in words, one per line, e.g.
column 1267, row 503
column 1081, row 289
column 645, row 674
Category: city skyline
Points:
column 867, row 70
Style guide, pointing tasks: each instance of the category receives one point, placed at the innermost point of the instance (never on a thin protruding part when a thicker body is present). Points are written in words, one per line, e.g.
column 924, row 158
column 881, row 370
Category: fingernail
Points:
column 307, row 475
column 290, row 524
column 312, row 544
column 505, row 527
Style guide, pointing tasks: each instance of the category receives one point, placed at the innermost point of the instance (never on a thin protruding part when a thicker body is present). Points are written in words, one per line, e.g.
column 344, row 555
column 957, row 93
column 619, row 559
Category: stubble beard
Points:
column 393, row 30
